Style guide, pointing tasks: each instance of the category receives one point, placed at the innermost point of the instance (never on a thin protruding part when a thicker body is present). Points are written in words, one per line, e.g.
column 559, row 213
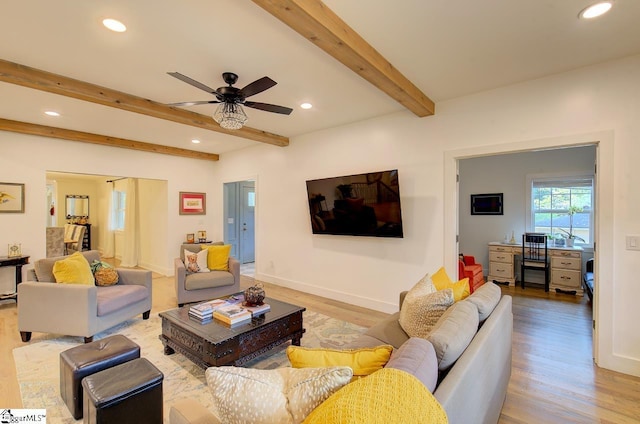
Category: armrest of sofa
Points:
column 140, row 277
column 52, row 307
column 188, row 411
column 234, row 269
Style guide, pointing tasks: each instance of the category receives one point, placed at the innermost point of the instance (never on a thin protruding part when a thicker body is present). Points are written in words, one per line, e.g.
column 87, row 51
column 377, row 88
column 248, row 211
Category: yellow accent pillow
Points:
column 218, row 257
column 363, row 361
column 73, row 270
column 442, row 281
column 386, row 396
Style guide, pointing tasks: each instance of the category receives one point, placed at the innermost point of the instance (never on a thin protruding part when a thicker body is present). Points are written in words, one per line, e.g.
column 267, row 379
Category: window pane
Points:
column 563, row 207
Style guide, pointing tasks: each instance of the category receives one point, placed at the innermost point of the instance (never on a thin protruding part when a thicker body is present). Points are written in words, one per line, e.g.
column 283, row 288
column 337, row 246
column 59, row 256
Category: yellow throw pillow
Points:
column 442, row 281
column 363, row 361
column 386, row 396
column 73, row 270
column 218, row 257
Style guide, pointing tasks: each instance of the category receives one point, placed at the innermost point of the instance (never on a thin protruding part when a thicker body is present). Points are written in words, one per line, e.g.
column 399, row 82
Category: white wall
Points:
column 596, row 104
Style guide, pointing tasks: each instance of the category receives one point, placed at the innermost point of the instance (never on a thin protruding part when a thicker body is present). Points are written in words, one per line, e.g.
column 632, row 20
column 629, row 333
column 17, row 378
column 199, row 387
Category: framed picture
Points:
column 193, row 203
column 202, row 236
column 190, row 238
column 487, row 204
column 11, row 198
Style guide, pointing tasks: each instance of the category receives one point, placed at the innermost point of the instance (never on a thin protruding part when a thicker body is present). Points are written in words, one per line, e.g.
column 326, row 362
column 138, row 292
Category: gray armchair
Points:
column 204, row 285
column 79, row 310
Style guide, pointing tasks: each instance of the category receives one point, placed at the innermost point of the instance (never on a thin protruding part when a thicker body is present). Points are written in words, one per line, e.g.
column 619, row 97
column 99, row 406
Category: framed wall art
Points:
column 11, row 198
column 487, row 204
column 193, row 203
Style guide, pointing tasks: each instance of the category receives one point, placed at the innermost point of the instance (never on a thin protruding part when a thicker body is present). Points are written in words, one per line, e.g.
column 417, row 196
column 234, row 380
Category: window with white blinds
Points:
column 563, row 207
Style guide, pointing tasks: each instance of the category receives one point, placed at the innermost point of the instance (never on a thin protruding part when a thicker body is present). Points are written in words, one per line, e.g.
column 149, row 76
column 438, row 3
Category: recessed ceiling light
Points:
column 52, row 113
column 306, row 105
column 595, row 10
column 114, row 25
column 195, row 141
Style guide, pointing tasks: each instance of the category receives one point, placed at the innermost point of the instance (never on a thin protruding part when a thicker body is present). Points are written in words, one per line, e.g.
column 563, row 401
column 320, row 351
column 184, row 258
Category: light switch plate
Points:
column 633, row 242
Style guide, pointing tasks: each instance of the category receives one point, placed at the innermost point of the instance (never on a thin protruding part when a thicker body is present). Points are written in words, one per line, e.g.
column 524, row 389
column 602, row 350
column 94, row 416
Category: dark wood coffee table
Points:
column 216, row 344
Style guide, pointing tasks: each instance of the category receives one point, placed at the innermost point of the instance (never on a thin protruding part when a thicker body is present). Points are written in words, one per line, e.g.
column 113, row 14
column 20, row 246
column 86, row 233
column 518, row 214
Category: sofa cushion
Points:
column 195, row 247
column 218, row 257
column 362, row 361
column 195, row 261
column 205, row 280
column 113, row 298
column 485, row 297
column 420, row 313
column 386, row 396
column 442, row 281
column 282, row 395
column 73, row 269
column 417, row 357
column 44, row 267
column 453, row 332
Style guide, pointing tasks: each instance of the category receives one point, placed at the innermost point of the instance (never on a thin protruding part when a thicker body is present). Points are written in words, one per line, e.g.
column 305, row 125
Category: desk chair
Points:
column 535, row 256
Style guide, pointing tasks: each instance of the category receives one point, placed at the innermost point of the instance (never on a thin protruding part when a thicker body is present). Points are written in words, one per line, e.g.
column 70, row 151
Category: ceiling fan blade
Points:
column 269, row 108
column 203, row 102
column 258, row 86
column 192, row 82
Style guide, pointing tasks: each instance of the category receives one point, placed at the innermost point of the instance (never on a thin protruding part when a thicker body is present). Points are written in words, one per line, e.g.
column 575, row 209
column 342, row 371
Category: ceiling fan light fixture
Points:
column 230, row 116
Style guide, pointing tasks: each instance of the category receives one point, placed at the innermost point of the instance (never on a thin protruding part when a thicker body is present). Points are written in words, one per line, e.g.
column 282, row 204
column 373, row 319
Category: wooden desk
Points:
column 566, row 266
column 16, row 261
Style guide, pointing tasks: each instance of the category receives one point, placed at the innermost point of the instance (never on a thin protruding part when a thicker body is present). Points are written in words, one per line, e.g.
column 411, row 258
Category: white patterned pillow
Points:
column 279, row 396
column 195, row 262
column 422, row 308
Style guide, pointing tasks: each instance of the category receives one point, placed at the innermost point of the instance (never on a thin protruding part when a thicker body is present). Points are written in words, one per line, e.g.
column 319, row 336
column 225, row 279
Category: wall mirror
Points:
column 77, row 206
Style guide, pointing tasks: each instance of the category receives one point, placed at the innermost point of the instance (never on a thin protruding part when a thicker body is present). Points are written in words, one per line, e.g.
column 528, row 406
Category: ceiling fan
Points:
column 230, row 114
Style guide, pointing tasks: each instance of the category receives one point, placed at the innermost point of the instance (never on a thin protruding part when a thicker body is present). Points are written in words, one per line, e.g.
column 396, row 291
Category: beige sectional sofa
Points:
column 470, row 378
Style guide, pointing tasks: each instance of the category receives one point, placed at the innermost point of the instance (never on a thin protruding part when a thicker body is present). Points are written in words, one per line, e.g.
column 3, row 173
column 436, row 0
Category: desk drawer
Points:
column 500, row 257
column 498, row 269
column 566, row 263
column 570, row 279
column 507, row 249
column 566, row 253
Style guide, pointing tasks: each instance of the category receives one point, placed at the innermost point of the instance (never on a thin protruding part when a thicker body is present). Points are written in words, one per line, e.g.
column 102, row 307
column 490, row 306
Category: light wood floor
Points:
column 553, row 377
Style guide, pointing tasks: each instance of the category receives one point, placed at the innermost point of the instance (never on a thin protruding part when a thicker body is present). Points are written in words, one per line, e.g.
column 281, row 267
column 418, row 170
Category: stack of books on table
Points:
column 232, row 315
column 203, row 312
column 258, row 309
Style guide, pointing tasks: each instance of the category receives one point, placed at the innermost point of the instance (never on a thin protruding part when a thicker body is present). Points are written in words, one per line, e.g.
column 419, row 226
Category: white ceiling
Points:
column 446, row 48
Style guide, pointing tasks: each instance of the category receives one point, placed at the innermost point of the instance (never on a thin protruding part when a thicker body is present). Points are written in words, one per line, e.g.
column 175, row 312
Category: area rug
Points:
column 37, row 364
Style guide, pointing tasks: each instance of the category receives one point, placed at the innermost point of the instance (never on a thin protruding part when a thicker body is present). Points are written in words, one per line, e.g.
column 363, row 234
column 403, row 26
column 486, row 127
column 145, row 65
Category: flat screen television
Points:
column 356, row 205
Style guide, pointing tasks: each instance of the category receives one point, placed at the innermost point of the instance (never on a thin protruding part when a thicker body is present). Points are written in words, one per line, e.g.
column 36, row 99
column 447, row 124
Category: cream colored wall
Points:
column 595, row 104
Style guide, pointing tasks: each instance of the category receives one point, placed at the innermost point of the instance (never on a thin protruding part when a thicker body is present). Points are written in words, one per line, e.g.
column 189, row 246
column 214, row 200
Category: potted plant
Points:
column 569, row 236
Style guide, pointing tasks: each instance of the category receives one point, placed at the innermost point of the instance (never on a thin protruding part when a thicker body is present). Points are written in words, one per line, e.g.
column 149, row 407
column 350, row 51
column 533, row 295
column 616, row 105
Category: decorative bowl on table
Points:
column 254, row 295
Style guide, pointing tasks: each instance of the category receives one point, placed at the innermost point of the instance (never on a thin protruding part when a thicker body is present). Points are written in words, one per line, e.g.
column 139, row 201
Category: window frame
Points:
column 550, row 177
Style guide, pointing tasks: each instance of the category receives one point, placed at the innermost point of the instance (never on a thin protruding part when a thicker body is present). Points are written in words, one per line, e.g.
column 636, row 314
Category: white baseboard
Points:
column 352, row 299
column 167, row 272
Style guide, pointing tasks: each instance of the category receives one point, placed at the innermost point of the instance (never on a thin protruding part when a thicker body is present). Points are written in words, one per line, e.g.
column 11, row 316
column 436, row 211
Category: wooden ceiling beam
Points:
column 72, row 135
column 317, row 23
column 26, row 76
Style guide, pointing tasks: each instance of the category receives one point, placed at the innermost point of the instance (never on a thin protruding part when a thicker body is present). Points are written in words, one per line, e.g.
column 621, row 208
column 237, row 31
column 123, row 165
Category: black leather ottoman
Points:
column 81, row 361
column 127, row 393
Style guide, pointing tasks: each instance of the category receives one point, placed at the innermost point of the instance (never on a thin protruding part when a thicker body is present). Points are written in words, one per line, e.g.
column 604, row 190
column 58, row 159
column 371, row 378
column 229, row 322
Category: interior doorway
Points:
column 456, row 204
column 239, row 218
